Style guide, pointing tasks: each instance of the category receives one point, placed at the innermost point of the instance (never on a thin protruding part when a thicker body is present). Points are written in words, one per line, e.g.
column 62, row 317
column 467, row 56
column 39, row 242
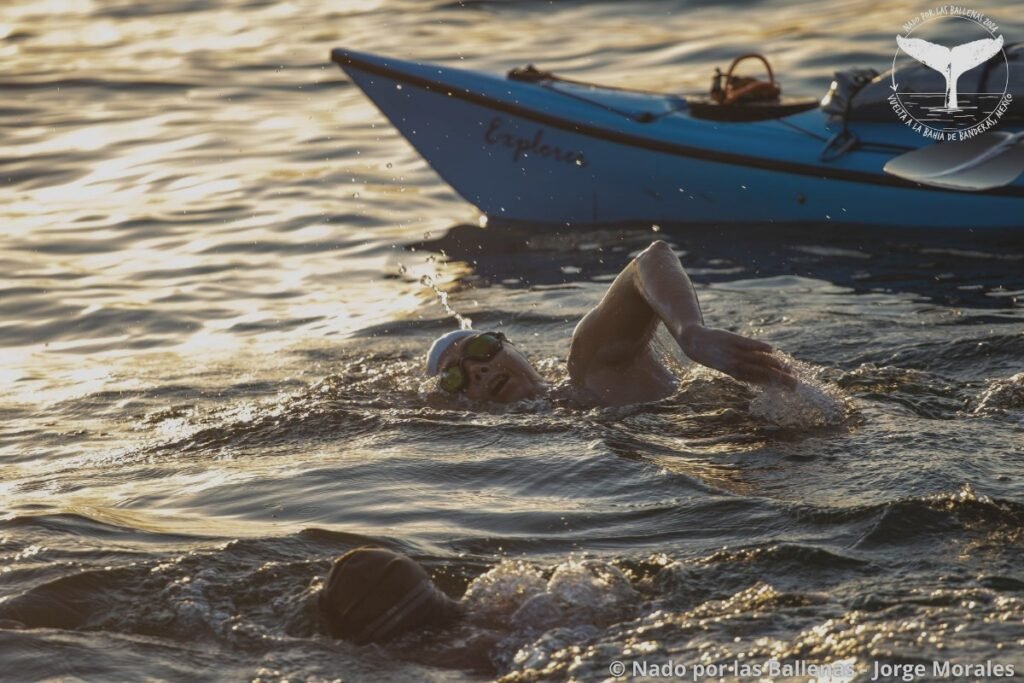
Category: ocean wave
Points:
column 916, row 519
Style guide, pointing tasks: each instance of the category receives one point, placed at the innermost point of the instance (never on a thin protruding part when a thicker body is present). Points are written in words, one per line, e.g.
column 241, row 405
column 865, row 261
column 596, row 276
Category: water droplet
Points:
column 389, row 164
column 398, row 86
column 402, row 270
column 427, row 235
column 656, row 228
column 442, row 298
column 355, row 195
column 579, row 162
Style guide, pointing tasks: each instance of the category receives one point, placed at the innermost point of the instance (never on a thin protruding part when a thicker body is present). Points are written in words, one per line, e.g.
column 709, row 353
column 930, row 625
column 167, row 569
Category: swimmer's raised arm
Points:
column 611, row 343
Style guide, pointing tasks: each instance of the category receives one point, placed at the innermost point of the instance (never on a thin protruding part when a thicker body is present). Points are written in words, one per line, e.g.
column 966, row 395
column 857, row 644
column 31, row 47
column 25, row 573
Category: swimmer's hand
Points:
column 748, row 360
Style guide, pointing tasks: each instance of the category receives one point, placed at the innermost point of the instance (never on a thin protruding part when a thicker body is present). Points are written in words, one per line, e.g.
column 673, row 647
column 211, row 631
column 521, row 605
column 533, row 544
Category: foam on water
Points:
column 1002, row 395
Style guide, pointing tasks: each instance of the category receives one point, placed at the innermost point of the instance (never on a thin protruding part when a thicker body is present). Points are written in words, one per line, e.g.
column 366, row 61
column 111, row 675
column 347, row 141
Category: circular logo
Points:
column 960, row 83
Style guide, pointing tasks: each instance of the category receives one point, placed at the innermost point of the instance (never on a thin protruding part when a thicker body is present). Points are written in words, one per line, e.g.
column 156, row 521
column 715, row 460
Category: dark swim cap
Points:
column 373, row 595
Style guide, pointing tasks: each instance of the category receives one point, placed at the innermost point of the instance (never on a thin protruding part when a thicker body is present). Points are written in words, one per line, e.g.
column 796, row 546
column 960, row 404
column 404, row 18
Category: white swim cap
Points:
column 441, row 345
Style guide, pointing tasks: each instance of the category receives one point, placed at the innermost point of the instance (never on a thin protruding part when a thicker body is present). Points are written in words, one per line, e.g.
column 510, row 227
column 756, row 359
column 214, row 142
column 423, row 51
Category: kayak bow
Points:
column 550, row 151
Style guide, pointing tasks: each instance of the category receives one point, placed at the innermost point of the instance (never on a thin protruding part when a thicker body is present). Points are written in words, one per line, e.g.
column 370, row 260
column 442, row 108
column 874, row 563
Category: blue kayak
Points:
column 550, row 151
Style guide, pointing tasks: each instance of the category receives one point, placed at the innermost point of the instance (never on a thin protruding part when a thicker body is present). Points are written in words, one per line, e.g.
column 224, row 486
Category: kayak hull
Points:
column 583, row 156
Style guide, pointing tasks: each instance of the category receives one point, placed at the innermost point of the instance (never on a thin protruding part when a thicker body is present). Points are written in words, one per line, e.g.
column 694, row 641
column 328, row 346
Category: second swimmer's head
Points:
column 373, row 595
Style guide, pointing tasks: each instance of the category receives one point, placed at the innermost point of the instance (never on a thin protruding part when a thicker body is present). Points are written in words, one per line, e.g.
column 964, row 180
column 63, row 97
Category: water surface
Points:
column 212, row 330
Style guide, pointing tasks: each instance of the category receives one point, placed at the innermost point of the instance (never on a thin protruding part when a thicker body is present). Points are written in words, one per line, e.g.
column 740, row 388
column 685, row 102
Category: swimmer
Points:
column 611, row 356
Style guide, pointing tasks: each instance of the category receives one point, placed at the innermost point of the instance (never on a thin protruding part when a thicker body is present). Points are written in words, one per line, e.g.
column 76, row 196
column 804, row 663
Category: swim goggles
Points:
column 482, row 347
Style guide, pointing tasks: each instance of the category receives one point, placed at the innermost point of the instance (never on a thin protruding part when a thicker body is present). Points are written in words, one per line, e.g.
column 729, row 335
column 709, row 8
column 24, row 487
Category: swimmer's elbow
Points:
column 658, row 247
column 658, row 255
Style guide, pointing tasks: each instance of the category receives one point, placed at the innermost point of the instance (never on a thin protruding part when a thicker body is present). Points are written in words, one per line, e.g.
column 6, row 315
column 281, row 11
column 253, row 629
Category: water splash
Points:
column 579, row 591
column 1001, row 395
column 592, row 590
column 502, row 590
column 813, row 403
column 442, row 298
column 546, row 617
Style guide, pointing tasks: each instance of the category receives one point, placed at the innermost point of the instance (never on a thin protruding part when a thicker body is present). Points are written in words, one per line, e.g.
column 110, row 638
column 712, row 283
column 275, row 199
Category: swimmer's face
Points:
column 505, row 378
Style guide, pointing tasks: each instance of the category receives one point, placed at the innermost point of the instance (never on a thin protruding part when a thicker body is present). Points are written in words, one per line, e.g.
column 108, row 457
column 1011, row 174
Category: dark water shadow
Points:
column 977, row 269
